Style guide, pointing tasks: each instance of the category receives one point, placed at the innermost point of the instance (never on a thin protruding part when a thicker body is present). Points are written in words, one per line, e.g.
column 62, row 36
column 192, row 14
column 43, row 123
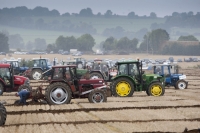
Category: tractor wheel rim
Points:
column 95, row 77
column 181, row 85
column 97, row 97
column 123, row 88
column 156, row 90
column 37, row 75
column 58, row 95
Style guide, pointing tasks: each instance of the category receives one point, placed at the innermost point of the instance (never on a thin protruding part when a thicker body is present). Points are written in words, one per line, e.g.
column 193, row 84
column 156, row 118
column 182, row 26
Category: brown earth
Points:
column 173, row 112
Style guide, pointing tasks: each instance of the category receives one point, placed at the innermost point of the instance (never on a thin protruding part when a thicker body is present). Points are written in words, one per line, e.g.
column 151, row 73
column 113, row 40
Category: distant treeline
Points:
column 23, row 17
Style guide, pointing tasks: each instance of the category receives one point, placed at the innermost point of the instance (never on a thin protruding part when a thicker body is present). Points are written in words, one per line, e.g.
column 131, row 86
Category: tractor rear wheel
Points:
column 27, row 87
column 58, row 93
column 97, row 96
column 36, row 74
column 181, row 84
column 3, row 114
column 156, row 89
column 1, row 89
column 123, row 87
column 95, row 75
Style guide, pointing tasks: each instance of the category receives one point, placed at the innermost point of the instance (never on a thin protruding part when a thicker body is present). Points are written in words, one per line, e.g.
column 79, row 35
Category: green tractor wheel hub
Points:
column 156, row 90
column 123, row 88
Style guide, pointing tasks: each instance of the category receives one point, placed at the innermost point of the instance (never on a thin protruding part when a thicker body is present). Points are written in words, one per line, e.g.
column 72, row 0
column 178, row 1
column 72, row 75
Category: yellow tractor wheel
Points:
column 123, row 87
column 156, row 89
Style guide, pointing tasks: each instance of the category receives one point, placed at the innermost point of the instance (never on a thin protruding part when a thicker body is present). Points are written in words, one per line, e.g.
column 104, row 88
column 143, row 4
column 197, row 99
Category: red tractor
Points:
column 65, row 85
column 10, row 82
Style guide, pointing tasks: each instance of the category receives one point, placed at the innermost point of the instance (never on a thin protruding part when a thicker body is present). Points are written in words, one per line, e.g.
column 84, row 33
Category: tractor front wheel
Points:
column 156, row 89
column 1, row 89
column 95, row 75
column 36, row 74
column 181, row 84
column 58, row 93
column 123, row 87
column 3, row 114
column 97, row 96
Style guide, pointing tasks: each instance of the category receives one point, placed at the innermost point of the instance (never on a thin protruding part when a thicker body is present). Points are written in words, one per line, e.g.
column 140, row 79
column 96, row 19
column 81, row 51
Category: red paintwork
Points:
column 19, row 80
column 4, row 65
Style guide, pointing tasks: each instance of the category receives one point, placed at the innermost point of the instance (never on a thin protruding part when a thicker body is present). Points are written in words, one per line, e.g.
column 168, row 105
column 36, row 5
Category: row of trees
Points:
column 23, row 11
column 179, row 49
column 155, row 41
column 124, row 44
column 83, row 43
column 182, row 20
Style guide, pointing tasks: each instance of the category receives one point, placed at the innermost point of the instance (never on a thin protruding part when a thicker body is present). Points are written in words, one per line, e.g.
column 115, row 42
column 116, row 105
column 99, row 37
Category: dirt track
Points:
column 172, row 112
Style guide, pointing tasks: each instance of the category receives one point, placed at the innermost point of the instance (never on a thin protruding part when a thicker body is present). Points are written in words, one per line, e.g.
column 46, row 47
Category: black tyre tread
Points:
column 96, row 73
column 158, row 83
column 127, row 80
column 34, row 71
column 3, row 114
column 25, row 86
column 51, row 86
column 99, row 91
column 176, row 86
column 1, row 88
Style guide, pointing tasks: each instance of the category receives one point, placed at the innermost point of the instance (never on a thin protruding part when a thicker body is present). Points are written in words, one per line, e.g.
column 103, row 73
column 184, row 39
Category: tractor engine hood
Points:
column 91, row 81
column 180, row 76
column 24, row 68
column 20, row 79
column 151, row 77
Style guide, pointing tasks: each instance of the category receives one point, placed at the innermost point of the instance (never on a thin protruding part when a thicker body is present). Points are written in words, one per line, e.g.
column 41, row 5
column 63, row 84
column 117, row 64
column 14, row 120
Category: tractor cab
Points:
column 16, row 66
column 100, row 70
column 172, row 75
column 9, row 81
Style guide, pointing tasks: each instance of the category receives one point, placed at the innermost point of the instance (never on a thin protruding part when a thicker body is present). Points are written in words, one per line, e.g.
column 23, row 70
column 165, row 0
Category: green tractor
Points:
column 130, row 78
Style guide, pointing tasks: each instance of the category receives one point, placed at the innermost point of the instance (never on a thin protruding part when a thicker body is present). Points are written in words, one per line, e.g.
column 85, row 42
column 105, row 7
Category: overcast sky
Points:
column 120, row 7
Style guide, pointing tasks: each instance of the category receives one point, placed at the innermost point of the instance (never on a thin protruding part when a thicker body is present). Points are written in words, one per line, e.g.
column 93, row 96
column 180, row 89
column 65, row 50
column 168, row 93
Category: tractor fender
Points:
column 36, row 68
column 97, row 88
column 121, row 76
column 155, row 82
column 96, row 72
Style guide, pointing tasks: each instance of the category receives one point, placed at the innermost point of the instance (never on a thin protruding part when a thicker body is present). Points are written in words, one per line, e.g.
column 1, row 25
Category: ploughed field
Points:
column 173, row 112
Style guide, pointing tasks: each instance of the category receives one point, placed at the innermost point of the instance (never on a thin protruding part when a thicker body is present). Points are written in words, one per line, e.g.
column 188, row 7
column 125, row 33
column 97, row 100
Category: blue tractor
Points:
column 41, row 67
column 172, row 75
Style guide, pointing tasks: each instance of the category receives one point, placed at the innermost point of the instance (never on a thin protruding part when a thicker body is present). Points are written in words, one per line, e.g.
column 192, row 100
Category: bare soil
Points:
column 173, row 112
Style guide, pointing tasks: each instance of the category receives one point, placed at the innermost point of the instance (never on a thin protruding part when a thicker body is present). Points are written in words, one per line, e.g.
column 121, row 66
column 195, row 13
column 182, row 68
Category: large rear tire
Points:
column 1, row 89
column 27, row 87
column 3, row 114
column 95, row 75
column 156, row 89
column 58, row 93
column 181, row 85
column 97, row 96
column 123, row 87
column 36, row 74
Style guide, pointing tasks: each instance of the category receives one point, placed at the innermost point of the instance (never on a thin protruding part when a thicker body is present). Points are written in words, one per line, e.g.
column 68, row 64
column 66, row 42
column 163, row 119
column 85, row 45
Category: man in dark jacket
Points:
column 24, row 95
